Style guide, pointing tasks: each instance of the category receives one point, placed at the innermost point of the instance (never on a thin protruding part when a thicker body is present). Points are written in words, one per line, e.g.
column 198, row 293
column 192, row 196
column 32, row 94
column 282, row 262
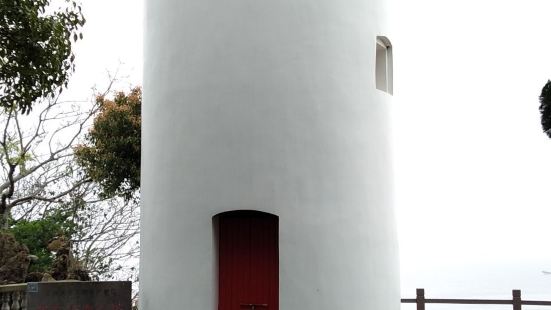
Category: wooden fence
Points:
column 516, row 302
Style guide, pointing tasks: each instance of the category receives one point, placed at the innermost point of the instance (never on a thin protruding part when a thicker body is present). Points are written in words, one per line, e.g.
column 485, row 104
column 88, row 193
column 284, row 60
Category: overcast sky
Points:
column 472, row 167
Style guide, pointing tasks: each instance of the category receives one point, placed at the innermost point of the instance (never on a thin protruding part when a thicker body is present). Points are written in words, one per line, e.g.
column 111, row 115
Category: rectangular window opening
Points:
column 383, row 65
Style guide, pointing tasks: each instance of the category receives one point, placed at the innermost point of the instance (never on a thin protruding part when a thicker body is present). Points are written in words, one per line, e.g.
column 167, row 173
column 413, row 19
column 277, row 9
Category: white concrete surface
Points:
column 269, row 106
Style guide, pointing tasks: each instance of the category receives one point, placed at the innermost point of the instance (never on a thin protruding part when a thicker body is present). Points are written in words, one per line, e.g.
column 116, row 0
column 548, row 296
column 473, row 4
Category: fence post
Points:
column 421, row 299
column 517, row 301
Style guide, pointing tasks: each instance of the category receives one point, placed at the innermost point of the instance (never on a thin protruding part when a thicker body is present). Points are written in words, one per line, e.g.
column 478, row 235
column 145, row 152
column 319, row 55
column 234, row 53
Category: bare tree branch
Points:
column 39, row 176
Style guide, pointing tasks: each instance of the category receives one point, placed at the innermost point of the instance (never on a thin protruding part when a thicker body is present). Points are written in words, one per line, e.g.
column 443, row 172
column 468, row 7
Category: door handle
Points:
column 255, row 306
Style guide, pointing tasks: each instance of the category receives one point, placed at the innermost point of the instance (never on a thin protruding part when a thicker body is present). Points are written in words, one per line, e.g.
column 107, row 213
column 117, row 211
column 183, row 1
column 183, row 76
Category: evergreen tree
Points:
column 111, row 154
column 36, row 55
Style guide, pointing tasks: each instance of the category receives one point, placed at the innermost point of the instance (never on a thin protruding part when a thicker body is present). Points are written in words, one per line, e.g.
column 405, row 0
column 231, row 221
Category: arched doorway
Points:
column 248, row 261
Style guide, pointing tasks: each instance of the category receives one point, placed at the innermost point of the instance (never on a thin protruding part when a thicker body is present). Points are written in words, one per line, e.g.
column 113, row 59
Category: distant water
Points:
column 479, row 281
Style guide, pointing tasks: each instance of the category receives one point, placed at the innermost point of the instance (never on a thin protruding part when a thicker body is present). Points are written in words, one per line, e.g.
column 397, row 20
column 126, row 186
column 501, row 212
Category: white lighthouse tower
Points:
column 266, row 173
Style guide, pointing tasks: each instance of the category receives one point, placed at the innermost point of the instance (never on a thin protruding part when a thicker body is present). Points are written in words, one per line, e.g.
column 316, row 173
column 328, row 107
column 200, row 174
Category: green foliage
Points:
column 37, row 235
column 15, row 156
column 36, row 55
column 545, row 108
column 111, row 155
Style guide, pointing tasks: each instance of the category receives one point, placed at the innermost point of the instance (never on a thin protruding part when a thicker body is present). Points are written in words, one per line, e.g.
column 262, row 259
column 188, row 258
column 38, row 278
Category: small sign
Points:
column 32, row 287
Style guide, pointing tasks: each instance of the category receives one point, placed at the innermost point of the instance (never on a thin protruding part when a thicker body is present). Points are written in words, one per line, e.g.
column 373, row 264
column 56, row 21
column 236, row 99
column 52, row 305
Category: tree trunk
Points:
column 4, row 218
column 4, row 209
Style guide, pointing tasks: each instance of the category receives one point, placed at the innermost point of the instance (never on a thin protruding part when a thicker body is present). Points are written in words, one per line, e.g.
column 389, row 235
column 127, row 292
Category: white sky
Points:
column 472, row 165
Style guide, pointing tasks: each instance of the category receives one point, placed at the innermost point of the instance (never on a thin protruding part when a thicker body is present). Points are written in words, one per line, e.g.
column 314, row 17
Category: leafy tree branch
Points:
column 36, row 57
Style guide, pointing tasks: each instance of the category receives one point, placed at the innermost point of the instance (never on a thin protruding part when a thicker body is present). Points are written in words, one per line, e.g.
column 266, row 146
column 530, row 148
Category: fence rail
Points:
column 13, row 297
column 516, row 302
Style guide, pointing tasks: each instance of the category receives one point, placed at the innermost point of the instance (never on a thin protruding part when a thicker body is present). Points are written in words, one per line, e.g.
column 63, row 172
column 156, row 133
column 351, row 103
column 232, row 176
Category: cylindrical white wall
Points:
column 269, row 106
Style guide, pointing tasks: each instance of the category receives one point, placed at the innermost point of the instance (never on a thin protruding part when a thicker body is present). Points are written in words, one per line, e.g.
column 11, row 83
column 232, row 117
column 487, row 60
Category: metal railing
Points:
column 13, row 297
column 516, row 301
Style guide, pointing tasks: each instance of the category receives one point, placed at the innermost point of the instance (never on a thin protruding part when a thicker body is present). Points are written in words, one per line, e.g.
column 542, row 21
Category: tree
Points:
column 38, row 234
column 111, row 155
column 545, row 108
column 36, row 156
column 36, row 55
column 106, row 239
column 95, row 239
column 13, row 259
column 46, row 195
column 43, row 192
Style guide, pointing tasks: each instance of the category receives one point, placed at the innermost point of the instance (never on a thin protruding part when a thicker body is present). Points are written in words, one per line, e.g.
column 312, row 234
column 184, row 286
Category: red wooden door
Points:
column 248, row 269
